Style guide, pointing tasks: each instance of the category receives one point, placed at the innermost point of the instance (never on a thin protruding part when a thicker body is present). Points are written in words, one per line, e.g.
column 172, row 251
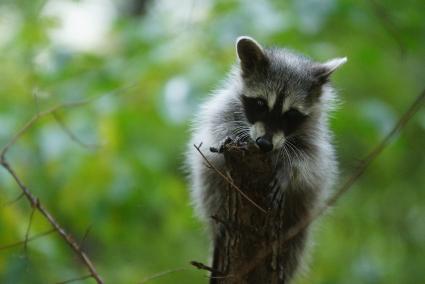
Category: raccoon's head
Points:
column 282, row 92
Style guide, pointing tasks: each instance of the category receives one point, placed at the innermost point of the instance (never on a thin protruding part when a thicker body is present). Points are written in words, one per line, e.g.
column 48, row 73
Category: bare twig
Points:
column 76, row 279
column 27, row 240
column 41, row 114
column 202, row 266
column 162, row 274
column 35, row 119
column 13, row 201
column 34, row 201
column 86, row 234
column 388, row 24
column 227, row 179
column 69, row 132
column 197, row 264
column 401, row 123
column 28, row 229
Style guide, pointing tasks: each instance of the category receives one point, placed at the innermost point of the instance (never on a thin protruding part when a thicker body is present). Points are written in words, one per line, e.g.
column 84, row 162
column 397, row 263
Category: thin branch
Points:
column 34, row 201
column 66, row 105
column 86, row 234
column 76, row 279
column 202, row 266
column 401, row 123
column 30, row 239
column 27, row 233
column 376, row 151
column 13, row 201
column 388, row 24
column 227, row 179
column 162, row 274
column 197, row 264
column 35, row 119
column 69, row 132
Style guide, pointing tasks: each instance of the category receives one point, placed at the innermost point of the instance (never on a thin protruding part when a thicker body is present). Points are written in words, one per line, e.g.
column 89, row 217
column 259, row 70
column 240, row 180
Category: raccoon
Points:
column 281, row 101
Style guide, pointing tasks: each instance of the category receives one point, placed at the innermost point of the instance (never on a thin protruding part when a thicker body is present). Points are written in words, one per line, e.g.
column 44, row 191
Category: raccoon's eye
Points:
column 255, row 108
column 294, row 116
column 260, row 105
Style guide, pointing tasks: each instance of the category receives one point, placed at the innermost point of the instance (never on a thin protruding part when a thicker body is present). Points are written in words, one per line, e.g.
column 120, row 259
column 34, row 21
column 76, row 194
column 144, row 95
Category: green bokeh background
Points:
column 154, row 63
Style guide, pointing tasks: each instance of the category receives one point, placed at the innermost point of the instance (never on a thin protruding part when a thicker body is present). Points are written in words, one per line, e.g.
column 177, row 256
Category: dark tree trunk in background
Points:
column 137, row 8
column 247, row 232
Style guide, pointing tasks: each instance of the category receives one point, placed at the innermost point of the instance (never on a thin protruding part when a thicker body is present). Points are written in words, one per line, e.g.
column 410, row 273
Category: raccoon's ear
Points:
column 323, row 71
column 250, row 54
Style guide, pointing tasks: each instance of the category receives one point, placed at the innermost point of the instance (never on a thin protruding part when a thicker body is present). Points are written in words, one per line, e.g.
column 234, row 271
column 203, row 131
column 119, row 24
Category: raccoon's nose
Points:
column 264, row 144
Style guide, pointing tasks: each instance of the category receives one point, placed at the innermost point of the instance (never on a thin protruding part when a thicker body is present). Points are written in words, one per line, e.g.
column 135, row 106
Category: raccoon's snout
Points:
column 264, row 144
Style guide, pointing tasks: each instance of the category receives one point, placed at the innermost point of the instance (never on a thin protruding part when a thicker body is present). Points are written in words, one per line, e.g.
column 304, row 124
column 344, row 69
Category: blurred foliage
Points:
column 151, row 63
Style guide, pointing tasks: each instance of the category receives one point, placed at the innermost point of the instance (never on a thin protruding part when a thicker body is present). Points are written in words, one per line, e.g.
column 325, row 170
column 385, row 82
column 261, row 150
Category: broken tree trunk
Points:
column 246, row 232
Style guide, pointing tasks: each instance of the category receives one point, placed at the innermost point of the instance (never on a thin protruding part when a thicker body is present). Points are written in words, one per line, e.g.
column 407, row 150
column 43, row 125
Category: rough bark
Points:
column 245, row 231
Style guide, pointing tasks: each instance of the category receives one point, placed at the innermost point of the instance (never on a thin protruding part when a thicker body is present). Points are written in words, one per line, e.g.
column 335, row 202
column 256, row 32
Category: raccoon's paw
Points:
column 228, row 143
column 222, row 145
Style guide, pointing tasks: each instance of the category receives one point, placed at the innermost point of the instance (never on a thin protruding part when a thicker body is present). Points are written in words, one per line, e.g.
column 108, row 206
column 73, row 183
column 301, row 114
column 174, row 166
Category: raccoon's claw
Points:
column 213, row 149
column 222, row 145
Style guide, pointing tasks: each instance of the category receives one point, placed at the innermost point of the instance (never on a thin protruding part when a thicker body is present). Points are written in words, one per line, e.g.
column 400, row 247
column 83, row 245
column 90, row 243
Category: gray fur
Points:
column 305, row 159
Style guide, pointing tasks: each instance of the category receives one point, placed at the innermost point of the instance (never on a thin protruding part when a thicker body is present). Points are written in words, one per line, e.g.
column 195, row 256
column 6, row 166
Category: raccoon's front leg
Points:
column 229, row 141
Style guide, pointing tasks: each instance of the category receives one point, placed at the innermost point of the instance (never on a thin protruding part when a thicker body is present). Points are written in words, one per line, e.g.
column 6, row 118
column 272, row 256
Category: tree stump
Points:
column 245, row 232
